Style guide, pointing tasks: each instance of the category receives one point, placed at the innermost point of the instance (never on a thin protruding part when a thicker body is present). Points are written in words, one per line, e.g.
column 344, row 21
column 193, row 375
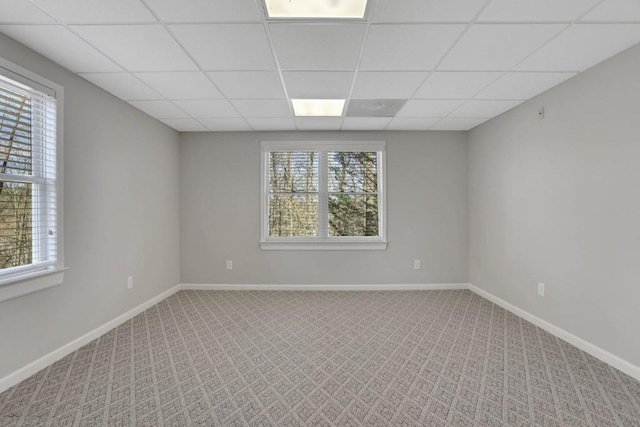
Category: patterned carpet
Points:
column 442, row 358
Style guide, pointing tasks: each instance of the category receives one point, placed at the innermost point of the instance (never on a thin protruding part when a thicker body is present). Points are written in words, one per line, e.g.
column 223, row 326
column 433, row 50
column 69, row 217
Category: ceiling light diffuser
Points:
column 345, row 9
column 318, row 107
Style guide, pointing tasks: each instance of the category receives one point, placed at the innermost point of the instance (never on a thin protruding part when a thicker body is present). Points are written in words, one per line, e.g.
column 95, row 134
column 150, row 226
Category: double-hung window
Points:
column 323, row 195
column 29, row 243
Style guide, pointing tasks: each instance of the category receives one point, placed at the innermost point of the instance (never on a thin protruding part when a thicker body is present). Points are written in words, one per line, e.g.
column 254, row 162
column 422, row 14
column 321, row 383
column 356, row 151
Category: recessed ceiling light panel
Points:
column 318, row 107
column 341, row 9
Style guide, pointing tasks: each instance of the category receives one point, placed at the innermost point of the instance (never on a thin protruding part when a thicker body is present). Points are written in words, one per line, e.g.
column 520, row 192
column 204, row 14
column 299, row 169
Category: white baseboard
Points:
column 326, row 287
column 33, row 367
column 597, row 352
column 48, row 359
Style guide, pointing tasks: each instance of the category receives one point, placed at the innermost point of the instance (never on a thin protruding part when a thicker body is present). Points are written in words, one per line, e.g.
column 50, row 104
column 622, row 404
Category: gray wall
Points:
column 558, row 201
column 121, row 218
column 553, row 201
column 427, row 213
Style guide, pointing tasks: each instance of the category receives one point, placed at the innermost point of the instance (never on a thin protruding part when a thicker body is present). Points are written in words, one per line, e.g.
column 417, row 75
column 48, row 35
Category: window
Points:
column 29, row 244
column 323, row 195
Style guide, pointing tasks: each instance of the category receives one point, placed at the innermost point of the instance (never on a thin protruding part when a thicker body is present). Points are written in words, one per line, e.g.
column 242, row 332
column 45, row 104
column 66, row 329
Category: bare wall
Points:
column 220, row 213
column 558, row 201
column 120, row 218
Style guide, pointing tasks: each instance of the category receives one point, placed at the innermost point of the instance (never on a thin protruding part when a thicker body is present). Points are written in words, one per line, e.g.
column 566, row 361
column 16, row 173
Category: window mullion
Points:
column 38, row 194
column 323, row 196
column 33, row 246
column 355, row 207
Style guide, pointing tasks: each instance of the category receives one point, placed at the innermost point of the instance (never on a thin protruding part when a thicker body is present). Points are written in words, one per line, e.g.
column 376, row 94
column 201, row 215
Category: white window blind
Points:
column 28, row 179
column 323, row 195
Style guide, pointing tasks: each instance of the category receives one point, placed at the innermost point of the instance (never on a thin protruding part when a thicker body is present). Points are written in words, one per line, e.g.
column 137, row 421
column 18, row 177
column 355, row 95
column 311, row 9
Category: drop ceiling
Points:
column 205, row 65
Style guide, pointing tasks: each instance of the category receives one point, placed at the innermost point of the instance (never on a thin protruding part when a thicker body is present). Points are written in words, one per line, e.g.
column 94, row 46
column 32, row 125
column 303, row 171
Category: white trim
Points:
column 35, row 83
column 30, row 282
column 597, row 352
column 48, row 359
column 28, row 78
column 33, row 367
column 22, row 272
column 324, row 287
column 323, row 241
column 323, row 245
column 308, row 145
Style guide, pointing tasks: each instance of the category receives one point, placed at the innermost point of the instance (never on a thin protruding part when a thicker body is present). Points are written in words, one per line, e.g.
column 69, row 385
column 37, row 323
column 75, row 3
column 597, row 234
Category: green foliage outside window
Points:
column 352, row 198
column 15, row 197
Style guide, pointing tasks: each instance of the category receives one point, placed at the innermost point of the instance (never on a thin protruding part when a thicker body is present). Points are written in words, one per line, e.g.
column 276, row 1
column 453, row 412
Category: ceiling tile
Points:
column 429, row 108
column 318, row 123
column 159, row 109
column 522, row 85
column 407, row 40
column 403, row 123
column 318, row 84
column 535, row 10
column 317, row 46
column 455, row 85
column 61, row 46
column 457, row 124
column 22, row 12
column 226, row 46
column 374, row 107
column 137, row 47
column 223, row 125
column 582, row 46
column 262, row 107
column 181, row 85
column 365, row 123
column 497, row 47
column 616, row 11
column 483, row 109
column 427, row 11
column 97, row 11
column 123, row 85
column 207, row 108
column 248, row 84
column 387, row 84
column 185, row 125
column 408, row 47
column 173, row 11
column 271, row 123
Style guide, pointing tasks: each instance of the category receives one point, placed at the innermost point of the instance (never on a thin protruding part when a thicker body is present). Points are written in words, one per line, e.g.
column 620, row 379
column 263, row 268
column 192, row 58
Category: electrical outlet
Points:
column 129, row 282
column 541, row 290
column 417, row 264
column 229, row 264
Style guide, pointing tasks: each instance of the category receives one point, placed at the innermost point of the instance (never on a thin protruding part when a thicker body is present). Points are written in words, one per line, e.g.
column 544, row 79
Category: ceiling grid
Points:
column 199, row 65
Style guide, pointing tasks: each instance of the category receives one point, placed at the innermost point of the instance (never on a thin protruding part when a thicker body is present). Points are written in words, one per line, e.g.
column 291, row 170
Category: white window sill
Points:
column 28, row 283
column 323, row 246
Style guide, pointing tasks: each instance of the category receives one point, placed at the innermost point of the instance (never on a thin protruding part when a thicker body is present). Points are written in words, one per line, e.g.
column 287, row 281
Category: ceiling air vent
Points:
column 374, row 107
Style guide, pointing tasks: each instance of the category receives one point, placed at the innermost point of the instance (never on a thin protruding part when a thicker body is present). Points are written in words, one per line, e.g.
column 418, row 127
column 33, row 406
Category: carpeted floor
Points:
column 325, row 358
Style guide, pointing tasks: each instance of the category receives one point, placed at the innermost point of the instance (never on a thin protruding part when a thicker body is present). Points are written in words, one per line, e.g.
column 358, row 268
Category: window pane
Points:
column 351, row 215
column 15, row 224
column 293, row 215
column 353, row 172
column 293, row 172
column 15, row 133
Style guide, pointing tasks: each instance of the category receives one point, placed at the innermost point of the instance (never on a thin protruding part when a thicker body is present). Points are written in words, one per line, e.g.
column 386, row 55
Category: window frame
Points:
column 26, row 279
column 323, row 242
